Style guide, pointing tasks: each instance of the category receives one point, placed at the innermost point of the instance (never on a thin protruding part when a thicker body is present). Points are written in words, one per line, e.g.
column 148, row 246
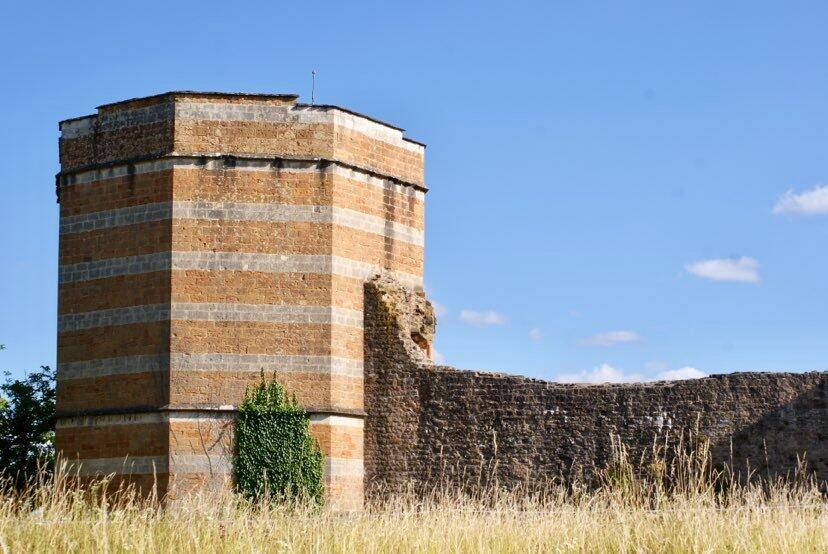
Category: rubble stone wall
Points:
column 430, row 425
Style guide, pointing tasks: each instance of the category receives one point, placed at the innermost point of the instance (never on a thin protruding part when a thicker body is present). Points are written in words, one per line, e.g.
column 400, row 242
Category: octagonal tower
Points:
column 205, row 237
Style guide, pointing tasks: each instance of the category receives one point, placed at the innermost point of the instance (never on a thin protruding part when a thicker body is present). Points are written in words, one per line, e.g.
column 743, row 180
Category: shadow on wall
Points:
column 430, row 425
column 776, row 443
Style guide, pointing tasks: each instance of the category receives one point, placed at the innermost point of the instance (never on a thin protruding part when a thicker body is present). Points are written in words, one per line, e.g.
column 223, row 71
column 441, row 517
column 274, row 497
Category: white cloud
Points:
column 482, row 319
column 611, row 338
column 743, row 270
column 681, row 373
column 439, row 309
column 437, row 357
column 810, row 202
column 604, row 373
column 536, row 334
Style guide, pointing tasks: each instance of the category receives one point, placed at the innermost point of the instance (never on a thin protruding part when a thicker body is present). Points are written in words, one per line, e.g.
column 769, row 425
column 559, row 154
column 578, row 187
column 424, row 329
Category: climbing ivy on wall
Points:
column 274, row 456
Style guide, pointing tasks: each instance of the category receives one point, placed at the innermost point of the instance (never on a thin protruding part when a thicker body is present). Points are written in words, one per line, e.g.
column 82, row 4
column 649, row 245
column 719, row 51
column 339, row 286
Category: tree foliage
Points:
column 275, row 457
column 27, row 424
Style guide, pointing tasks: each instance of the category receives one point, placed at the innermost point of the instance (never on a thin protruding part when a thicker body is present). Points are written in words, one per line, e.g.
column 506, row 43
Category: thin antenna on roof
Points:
column 313, row 86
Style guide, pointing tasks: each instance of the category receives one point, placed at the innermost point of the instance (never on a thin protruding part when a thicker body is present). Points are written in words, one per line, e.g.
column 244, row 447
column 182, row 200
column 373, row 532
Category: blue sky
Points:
column 603, row 175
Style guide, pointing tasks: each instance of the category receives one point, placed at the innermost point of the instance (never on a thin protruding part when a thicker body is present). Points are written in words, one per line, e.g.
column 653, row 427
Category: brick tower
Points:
column 207, row 236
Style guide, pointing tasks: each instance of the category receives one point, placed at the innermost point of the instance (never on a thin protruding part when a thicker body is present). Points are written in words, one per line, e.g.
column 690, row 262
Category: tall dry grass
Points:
column 676, row 503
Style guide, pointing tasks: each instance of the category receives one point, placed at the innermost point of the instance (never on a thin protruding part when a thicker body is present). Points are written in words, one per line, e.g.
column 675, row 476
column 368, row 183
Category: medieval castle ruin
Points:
column 207, row 236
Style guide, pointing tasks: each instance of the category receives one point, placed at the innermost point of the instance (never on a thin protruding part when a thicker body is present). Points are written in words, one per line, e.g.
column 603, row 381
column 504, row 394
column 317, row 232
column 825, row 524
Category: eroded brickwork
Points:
column 429, row 426
column 208, row 237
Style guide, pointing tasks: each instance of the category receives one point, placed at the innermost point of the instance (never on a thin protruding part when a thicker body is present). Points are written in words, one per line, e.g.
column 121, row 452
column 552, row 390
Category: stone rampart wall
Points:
column 429, row 425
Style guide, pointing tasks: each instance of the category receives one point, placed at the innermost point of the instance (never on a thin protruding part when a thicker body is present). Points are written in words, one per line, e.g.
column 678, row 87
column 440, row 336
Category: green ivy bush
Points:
column 275, row 457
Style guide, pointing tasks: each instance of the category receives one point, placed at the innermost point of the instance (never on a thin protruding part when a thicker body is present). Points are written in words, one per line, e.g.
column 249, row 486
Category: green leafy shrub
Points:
column 275, row 457
column 27, row 425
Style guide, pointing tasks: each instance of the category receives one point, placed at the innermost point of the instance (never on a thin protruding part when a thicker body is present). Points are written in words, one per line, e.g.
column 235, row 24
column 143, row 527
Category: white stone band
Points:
column 227, row 261
column 210, row 311
column 149, row 465
column 240, row 211
column 344, row 467
column 357, row 422
column 191, row 463
column 221, row 418
column 229, row 111
column 269, row 363
column 218, row 362
column 212, row 163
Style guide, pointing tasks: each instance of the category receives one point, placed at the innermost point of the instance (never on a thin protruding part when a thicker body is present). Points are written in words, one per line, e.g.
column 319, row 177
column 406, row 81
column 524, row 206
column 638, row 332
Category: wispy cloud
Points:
column 681, row 373
column 482, row 319
column 437, row 357
column 611, row 338
column 809, row 202
column 742, row 270
column 536, row 334
column 606, row 373
column 439, row 309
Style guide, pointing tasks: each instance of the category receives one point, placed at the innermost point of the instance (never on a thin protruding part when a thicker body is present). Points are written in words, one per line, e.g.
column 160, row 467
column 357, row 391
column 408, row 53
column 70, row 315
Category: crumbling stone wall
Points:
column 430, row 425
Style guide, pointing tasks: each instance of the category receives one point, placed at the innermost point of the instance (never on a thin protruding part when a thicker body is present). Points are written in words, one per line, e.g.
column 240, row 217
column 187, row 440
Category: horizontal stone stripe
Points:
column 114, row 267
column 186, row 311
column 338, row 420
column 214, row 163
column 190, row 463
column 209, row 362
column 240, row 211
column 127, row 465
column 215, row 111
column 149, row 313
column 267, row 362
column 268, row 313
column 230, row 261
column 377, row 225
column 124, row 365
column 137, row 465
column 341, row 467
column 145, row 418
column 284, row 263
column 120, row 217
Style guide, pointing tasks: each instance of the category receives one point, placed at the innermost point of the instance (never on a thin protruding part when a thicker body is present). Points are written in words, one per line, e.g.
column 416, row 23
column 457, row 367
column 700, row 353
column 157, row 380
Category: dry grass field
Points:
column 681, row 506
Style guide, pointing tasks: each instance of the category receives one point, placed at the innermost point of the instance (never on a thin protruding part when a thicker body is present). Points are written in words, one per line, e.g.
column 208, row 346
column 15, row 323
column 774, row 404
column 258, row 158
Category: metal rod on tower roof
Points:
column 313, row 86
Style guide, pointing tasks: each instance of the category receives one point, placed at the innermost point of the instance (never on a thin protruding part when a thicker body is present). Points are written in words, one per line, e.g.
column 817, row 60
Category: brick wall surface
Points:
column 431, row 425
column 205, row 238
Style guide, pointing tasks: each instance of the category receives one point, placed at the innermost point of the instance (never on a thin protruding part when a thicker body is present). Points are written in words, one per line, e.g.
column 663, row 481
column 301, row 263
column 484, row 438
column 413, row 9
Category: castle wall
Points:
column 431, row 425
column 205, row 238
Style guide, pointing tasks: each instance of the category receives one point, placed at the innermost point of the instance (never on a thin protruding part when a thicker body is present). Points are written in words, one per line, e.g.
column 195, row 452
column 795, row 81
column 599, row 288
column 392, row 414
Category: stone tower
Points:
column 205, row 237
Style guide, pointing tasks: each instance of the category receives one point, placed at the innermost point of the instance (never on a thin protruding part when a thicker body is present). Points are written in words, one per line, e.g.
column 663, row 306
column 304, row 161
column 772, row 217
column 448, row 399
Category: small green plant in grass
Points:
column 275, row 457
